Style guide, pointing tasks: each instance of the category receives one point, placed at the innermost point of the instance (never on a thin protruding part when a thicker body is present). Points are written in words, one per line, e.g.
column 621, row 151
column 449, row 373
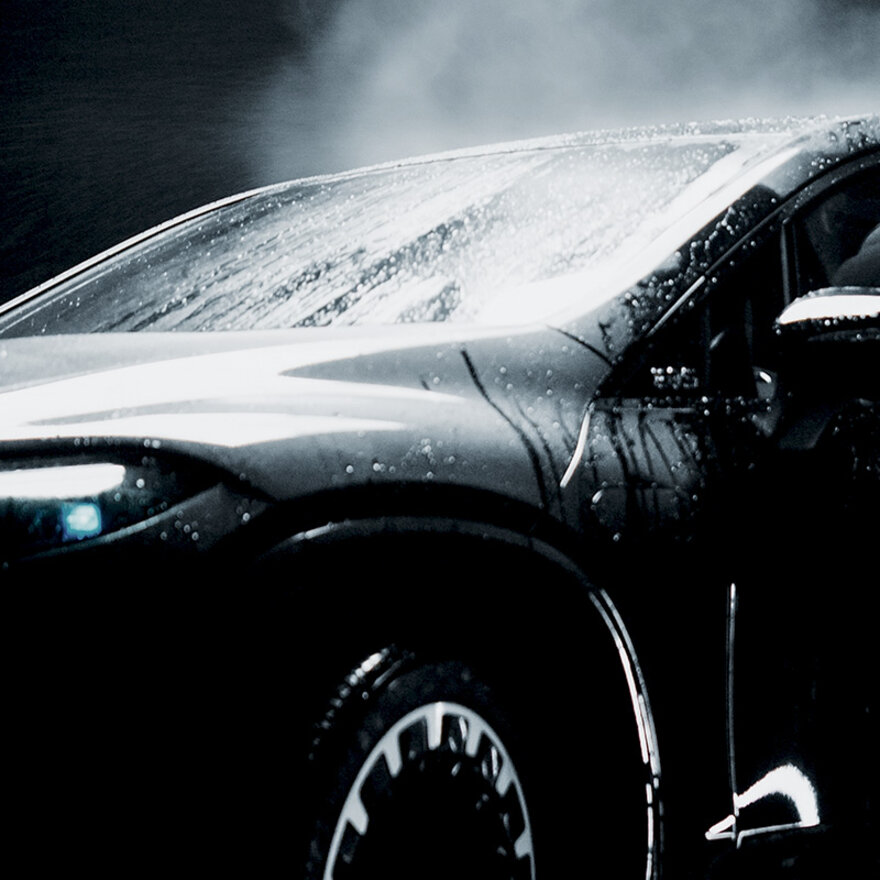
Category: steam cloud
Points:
column 382, row 79
column 118, row 115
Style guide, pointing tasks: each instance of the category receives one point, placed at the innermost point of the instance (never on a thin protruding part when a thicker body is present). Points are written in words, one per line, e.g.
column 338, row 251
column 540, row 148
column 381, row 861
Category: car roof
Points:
column 779, row 130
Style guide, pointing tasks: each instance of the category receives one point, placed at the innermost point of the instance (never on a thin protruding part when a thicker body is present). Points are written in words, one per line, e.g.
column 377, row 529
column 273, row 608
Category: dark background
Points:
column 117, row 114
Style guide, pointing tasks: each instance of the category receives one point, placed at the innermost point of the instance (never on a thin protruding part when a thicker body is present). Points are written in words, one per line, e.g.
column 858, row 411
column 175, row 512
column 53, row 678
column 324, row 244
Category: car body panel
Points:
column 411, row 413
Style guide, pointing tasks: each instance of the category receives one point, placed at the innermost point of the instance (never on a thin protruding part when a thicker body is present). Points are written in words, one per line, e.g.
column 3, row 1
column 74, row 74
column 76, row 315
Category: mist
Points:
column 115, row 116
column 390, row 78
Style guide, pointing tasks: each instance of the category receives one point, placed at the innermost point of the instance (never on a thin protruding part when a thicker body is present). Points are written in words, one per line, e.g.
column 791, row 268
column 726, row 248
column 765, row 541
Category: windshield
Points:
column 441, row 240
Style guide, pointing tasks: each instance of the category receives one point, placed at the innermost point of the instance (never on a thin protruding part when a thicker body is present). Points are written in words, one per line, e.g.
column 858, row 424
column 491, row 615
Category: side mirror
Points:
column 829, row 346
column 832, row 313
column 830, row 340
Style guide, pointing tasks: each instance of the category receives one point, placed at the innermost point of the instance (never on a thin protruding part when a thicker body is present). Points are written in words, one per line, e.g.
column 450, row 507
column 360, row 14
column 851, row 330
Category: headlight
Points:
column 46, row 506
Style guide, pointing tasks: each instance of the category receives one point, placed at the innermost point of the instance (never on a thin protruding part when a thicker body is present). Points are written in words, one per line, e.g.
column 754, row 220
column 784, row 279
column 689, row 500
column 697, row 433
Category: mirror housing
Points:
column 829, row 347
column 832, row 312
column 830, row 339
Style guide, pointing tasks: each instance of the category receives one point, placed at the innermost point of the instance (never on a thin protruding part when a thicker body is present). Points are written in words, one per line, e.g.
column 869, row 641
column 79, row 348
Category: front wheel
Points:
column 421, row 771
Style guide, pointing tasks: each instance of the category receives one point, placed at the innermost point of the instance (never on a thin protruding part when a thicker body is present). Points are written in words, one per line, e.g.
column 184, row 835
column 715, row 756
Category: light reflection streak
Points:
column 792, row 784
column 578, row 453
column 643, row 717
column 706, row 198
column 179, row 380
column 785, row 781
column 228, row 430
column 836, row 307
column 67, row 481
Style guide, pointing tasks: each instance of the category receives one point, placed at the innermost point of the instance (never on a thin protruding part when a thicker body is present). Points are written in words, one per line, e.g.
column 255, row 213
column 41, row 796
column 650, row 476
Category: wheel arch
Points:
column 511, row 603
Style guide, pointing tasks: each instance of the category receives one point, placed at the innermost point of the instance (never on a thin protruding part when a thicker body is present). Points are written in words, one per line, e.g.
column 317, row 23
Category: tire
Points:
column 417, row 773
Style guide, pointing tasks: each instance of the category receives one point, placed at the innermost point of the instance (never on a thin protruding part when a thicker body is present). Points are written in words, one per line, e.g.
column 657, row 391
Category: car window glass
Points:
column 724, row 342
column 432, row 241
column 839, row 238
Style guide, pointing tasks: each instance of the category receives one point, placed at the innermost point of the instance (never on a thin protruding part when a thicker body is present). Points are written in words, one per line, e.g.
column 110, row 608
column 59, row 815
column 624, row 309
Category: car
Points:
column 505, row 512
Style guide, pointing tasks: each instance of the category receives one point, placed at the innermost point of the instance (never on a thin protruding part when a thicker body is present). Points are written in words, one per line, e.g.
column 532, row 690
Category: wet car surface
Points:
column 510, row 505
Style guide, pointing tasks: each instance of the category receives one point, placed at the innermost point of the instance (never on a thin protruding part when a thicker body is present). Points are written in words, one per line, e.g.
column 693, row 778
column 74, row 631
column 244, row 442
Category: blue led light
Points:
column 80, row 519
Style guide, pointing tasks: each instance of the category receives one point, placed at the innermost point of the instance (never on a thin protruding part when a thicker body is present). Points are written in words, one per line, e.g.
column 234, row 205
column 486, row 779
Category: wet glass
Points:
column 439, row 240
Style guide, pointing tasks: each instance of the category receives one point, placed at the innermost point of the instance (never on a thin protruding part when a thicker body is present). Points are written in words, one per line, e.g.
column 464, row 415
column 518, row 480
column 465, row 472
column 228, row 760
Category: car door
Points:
column 694, row 475
column 800, row 706
column 669, row 438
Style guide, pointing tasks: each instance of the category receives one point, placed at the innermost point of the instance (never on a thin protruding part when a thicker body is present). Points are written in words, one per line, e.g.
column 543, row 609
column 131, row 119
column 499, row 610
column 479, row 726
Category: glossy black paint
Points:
column 350, row 480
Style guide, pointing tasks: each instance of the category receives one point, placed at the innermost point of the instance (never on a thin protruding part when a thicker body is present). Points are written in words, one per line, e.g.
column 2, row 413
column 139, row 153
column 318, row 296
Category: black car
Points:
column 506, row 513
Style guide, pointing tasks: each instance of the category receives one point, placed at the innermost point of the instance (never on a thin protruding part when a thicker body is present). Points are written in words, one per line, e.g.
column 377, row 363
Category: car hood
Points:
column 298, row 412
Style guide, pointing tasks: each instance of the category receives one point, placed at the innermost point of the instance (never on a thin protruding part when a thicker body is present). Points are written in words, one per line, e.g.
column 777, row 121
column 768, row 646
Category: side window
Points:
column 722, row 344
column 838, row 237
column 742, row 310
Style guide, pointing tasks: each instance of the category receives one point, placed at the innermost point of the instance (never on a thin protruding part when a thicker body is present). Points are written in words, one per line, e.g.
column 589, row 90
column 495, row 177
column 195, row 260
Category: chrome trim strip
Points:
column 678, row 304
column 644, row 723
column 733, row 605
